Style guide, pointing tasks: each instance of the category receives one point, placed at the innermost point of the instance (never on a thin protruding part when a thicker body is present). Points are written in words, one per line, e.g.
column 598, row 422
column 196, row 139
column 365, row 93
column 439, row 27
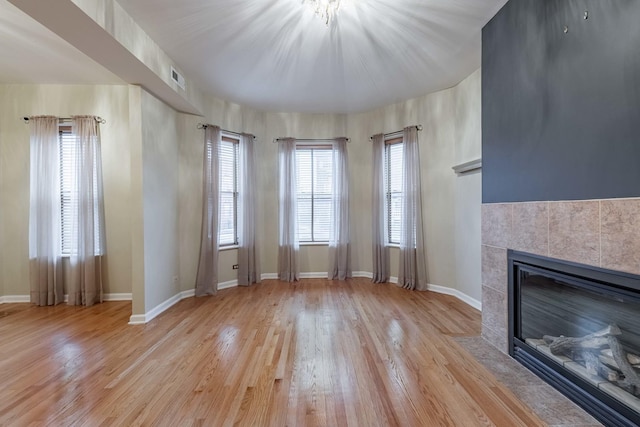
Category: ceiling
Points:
column 33, row 54
column 276, row 54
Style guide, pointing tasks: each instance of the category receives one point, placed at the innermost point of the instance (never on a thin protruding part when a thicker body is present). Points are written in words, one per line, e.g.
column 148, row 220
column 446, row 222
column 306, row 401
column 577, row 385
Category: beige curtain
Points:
column 88, row 245
column 207, row 277
column 380, row 249
column 340, row 239
column 248, row 260
column 413, row 272
column 289, row 246
column 45, row 262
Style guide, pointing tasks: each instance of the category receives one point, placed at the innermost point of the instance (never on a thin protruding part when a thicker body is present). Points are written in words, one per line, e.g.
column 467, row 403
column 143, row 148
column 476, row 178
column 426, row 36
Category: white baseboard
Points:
column 314, row 275
column 456, row 293
column 226, row 285
column 117, row 297
column 274, row 276
column 7, row 299
column 448, row 291
column 141, row 319
column 364, row 274
column 13, row 299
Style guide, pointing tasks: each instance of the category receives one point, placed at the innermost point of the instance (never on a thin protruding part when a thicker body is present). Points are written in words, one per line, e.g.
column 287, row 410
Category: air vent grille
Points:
column 178, row 78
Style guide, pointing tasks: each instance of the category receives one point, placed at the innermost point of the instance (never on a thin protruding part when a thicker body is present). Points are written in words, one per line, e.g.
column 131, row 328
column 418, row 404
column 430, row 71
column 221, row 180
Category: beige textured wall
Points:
column 451, row 135
column 265, row 126
column 109, row 102
column 436, row 113
column 153, row 211
column 451, row 205
column 468, row 187
column 160, row 195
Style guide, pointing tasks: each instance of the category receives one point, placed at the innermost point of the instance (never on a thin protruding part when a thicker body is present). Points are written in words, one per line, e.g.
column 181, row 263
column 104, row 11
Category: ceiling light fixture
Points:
column 325, row 9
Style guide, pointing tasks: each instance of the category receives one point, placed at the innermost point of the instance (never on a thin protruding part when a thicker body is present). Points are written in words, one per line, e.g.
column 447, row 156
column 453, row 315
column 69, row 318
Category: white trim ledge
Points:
column 467, row 167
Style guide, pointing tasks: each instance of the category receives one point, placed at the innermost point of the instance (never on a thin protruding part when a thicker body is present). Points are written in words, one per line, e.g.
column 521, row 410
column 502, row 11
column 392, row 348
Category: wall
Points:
column 560, row 110
column 451, row 205
column 160, row 200
column 468, row 187
column 109, row 102
column 153, row 188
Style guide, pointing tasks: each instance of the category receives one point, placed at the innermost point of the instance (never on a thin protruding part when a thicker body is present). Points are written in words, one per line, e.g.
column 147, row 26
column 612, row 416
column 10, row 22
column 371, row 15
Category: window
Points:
column 315, row 183
column 393, row 172
column 228, row 160
column 68, row 194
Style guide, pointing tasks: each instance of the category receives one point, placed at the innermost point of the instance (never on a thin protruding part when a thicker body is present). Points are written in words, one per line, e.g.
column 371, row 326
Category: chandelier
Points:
column 325, row 9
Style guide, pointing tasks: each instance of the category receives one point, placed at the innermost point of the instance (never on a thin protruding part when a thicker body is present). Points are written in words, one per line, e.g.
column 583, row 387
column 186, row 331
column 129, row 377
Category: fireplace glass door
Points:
column 580, row 326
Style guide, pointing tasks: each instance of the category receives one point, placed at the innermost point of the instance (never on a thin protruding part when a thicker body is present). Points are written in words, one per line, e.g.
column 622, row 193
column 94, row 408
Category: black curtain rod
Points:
column 311, row 140
column 397, row 133
column 68, row 119
column 204, row 126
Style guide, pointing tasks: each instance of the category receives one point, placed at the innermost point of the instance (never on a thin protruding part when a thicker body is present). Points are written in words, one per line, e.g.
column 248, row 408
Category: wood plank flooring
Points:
column 314, row 353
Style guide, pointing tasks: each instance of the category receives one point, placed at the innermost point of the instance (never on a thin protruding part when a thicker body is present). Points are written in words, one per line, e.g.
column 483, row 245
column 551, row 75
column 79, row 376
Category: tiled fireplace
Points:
column 599, row 233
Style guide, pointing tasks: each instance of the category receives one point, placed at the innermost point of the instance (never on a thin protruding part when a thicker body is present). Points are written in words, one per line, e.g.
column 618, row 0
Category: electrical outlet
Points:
column 235, row 266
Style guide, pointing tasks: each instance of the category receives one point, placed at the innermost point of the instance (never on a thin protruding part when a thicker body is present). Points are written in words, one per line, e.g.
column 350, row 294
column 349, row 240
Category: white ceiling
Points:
column 30, row 53
column 276, row 54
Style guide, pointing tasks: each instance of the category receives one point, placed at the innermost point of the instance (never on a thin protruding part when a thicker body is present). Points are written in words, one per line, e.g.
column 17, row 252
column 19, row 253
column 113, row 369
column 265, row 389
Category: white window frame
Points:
column 391, row 143
column 226, row 139
column 313, row 147
column 66, row 137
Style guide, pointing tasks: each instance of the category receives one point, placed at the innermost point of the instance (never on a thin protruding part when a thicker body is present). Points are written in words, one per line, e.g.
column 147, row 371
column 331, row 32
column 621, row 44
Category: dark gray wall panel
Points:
column 561, row 111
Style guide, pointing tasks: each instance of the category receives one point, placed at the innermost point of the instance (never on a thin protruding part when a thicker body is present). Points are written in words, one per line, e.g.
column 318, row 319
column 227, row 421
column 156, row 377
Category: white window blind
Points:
column 228, row 160
column 394, row 170
column 69, row 195
column 315, row 182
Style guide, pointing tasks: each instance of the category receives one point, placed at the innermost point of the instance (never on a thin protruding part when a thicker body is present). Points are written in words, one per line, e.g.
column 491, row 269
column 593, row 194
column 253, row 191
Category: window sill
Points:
column 69, row 255
column 314, row 243
column 393, row 245
column 227, row 248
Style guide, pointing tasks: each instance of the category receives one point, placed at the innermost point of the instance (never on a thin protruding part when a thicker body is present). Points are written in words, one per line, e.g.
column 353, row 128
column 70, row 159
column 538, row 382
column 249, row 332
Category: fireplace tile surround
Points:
column 602, row 233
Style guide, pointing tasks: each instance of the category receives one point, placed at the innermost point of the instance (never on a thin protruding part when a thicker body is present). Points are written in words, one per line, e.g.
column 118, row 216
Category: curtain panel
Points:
column 412, row 272
column 88, row 245
column 340, row 238
column 45, row 260
column 379, row 217
column 248, row 260
column 207, row 276
column 288, row 242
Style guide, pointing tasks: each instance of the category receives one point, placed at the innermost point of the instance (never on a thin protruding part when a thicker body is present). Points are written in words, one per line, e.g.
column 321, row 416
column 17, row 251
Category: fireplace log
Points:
column 619, row 355
column 634, row 359
column 595, row 366
column 608, row 361
column 606, row 358
column 563, row 345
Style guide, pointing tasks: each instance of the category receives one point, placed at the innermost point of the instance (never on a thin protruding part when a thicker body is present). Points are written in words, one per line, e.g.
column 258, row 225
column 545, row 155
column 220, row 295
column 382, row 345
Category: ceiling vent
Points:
column 178, row 78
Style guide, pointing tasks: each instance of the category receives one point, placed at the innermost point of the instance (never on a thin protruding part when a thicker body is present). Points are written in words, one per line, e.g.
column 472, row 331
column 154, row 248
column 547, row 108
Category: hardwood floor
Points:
column 314, row 353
